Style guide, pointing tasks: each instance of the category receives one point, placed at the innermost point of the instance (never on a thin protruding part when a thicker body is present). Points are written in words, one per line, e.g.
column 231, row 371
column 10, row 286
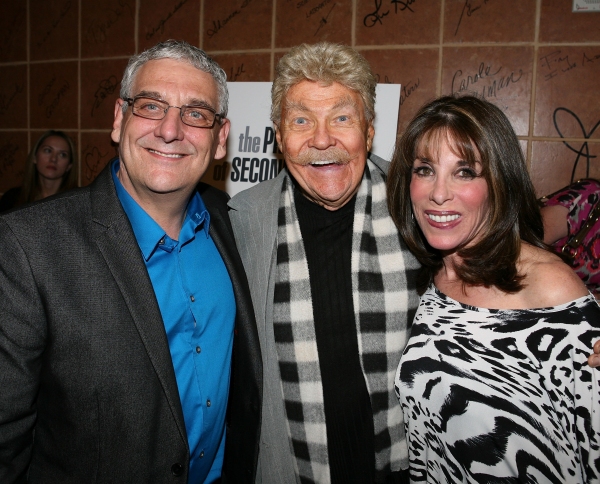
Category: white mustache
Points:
column 331, row 155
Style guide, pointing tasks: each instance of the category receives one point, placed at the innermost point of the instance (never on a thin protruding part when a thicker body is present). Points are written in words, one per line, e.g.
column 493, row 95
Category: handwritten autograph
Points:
column 160, row 27
column 464, row 83
column 404, row 5
column 386, row 79
column 7, row 100
column 98, row 31
column 63, row 12
column 7, row 157
column 323, row 20
column 491, row 89
column 56, row 101
column 217, row 25
column 469, row 9
column 46, row 90
column 584, row 150
column 9, row 32
column 408, row 89
column 93, row 159
column 238, row 72
column 316, row 8
column 556, row 63
column 105, row 88
column 376, row 17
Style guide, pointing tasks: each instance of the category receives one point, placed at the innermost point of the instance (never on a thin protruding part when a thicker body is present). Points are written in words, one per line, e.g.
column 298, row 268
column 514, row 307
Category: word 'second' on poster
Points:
column 252, row 152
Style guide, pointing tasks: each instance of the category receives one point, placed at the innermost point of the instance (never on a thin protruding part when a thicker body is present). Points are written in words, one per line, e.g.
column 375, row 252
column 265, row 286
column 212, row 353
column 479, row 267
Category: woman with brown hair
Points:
column 494, row 381
column 51, row 168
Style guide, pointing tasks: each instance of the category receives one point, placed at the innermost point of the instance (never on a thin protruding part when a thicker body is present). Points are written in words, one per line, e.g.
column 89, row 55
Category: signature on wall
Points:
column 235, row 74
column 160, row 26
column 8, row 152
column 323, row 20
column 556, row 63
column 94, row 161
column 219, row 24
column 98, row 31
column 6, row 100
column 55, row 23
column 105, row 89
column 487, row 80
column 584, row 150
column 469, row 8
column 376, row 17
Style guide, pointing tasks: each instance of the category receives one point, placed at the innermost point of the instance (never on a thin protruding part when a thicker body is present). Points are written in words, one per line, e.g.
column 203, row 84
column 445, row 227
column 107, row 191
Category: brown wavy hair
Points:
column 479, row 132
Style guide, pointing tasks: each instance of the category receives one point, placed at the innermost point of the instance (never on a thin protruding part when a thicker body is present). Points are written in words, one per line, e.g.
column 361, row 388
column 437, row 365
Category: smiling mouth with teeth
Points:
column 324, row 162
column 443, row 218
column 168, row 155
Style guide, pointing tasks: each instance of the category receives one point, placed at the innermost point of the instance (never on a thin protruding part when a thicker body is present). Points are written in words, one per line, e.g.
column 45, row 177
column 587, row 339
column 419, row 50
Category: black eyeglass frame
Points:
column 218, row 116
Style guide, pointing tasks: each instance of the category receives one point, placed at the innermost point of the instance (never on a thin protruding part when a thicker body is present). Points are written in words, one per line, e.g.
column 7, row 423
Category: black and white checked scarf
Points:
column 381, row 300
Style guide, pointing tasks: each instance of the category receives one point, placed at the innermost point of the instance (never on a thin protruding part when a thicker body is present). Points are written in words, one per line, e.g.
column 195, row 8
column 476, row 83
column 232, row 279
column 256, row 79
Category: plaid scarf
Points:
column 382, row 301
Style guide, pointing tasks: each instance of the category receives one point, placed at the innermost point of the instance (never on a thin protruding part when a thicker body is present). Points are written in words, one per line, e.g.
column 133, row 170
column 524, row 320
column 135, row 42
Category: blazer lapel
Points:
column 246, row 342
column 222, row 235
column 117, row 243
column 259, row 247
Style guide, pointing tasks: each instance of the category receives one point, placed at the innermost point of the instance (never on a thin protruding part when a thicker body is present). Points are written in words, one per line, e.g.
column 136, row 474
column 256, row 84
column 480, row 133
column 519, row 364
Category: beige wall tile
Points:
column 65, row 72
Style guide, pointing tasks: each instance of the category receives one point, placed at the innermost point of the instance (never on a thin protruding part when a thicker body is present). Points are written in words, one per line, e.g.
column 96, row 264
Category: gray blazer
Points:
column 88, row 391
column 253, row 215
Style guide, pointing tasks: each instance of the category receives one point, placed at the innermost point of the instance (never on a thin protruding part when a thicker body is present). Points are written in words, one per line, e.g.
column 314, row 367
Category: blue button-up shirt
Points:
column 196, row 300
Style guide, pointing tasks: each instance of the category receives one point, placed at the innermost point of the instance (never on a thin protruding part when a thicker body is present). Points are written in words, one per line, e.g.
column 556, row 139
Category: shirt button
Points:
column 208, row 403
column 192, row 298
column 162, row 241
column 201, row 454
column 198, row 349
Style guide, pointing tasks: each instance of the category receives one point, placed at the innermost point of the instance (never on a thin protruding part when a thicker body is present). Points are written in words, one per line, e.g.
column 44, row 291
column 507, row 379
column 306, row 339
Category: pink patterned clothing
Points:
column 580, row 198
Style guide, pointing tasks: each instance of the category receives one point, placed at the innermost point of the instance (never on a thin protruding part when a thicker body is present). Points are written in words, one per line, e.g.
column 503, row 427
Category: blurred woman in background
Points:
column 51, row 168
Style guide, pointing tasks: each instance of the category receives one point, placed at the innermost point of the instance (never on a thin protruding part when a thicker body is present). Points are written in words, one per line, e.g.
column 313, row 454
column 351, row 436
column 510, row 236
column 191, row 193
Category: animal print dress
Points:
column 501, row 395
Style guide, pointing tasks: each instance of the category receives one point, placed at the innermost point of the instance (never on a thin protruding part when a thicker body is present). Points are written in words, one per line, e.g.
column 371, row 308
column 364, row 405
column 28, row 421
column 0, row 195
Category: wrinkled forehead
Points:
column 162, row 77
column 305, row 90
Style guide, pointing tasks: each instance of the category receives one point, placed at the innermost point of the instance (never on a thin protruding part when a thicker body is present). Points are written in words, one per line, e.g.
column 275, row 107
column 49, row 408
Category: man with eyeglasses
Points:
column 120, row 302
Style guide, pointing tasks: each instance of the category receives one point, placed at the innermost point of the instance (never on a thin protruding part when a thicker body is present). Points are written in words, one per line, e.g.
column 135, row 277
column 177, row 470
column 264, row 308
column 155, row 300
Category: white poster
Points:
column 252, row 154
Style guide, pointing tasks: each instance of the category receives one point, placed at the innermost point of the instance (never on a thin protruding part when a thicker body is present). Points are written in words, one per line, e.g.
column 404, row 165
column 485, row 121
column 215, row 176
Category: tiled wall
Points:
column 61, row 63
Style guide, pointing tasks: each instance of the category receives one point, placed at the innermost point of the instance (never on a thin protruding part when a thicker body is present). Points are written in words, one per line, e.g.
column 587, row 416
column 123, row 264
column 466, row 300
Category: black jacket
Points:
column 88, row 391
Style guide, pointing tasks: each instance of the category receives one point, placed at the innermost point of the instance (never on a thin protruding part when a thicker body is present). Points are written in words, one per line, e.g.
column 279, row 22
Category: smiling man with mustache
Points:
column 332, row 283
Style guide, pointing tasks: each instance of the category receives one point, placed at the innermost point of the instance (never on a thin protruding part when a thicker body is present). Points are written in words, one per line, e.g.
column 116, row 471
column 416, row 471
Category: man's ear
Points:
column 370, row 136
column 221, row 150
column 115, row 135
column 278, row 136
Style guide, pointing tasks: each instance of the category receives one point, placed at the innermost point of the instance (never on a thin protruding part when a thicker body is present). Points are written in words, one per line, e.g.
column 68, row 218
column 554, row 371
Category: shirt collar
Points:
column 148, row 233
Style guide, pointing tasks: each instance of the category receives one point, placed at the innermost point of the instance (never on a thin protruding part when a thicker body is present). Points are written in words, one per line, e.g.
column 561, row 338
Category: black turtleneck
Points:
column 327, row 237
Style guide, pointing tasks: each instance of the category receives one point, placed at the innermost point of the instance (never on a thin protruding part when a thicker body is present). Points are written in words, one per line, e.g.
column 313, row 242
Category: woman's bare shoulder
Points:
column 548, row 280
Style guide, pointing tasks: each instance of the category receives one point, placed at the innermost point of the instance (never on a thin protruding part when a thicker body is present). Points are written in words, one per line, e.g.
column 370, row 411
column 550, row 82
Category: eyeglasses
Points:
column 196, row 116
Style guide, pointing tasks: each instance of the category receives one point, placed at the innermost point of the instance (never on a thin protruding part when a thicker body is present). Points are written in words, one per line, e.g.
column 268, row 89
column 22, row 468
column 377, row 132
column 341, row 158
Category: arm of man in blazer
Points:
column 22, row 339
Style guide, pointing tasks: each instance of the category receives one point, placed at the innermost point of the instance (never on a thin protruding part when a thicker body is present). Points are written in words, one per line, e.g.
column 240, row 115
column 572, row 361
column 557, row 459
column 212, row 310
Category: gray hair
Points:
column 325, row 63
column 181, row 51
